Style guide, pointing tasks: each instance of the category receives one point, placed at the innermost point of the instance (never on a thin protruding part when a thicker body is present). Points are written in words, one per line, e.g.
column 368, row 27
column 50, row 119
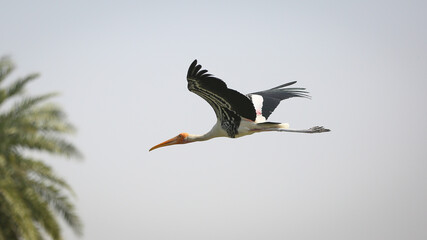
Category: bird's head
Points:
column 180, row 139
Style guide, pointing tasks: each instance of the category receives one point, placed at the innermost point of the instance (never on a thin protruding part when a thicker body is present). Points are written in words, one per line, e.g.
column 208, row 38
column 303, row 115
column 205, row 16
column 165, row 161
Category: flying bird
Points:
column 237, row 115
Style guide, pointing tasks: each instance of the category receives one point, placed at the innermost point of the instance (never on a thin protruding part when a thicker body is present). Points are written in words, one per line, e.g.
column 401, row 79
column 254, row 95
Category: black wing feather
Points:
column 222, row 99
column 273, row 96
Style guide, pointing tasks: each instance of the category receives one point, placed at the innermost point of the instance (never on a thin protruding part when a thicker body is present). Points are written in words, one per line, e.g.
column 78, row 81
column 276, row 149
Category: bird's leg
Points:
column 284, row 127
column 315, row 129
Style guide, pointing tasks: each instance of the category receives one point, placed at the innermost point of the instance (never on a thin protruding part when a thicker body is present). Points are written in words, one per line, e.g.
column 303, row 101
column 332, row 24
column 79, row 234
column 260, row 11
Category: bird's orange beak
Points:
column 180, row 139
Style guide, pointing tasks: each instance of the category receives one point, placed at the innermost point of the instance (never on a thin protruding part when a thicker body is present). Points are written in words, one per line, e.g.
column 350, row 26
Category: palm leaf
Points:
column 32, row 196
column 6, row 67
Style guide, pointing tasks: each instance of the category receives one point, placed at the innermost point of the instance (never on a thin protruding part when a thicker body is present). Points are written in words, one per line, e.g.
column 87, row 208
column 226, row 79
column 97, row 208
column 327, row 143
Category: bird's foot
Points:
column 318, row 129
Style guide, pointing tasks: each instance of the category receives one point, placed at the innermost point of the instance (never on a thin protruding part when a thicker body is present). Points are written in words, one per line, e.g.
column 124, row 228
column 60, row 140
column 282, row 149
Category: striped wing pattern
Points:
column 228, row 104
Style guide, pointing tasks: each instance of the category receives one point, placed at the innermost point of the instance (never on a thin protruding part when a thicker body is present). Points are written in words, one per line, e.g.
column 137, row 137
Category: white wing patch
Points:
column 258, row 100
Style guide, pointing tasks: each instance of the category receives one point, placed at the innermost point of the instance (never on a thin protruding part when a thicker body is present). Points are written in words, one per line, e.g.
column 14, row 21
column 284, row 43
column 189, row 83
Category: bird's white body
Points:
column 246, row 127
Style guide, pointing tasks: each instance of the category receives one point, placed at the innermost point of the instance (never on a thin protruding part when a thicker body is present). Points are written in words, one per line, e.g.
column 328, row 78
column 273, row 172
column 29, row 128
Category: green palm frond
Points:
column 6, row 67
column 38, row 171
column 17, row 87
column 32, row 196
column 18, row 213
column 62, row 205
column 50, row 144
column 20, row 107
column 41, row 213
column 49, row 118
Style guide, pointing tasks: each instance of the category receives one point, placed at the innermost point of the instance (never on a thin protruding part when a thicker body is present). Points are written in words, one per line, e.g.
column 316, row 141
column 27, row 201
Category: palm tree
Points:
column 32, row 196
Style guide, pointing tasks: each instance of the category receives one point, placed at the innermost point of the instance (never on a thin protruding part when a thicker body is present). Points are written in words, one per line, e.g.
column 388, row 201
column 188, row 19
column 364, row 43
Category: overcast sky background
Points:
column 120, row 68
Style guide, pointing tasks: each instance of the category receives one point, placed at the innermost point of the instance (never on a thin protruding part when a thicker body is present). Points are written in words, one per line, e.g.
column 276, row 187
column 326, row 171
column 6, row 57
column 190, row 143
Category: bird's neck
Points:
column 216, row 131
column 199, row 138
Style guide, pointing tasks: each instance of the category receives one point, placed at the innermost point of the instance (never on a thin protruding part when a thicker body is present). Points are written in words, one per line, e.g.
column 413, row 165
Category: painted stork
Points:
column 237, row 115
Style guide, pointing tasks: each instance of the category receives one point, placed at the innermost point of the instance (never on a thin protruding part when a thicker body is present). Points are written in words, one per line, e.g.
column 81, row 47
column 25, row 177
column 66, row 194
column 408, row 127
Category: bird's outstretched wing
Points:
column 227, row 103
column 266, row 101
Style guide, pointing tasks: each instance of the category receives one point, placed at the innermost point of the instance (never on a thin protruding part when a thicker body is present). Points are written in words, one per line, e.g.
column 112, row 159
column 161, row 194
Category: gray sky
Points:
column 121, row 70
